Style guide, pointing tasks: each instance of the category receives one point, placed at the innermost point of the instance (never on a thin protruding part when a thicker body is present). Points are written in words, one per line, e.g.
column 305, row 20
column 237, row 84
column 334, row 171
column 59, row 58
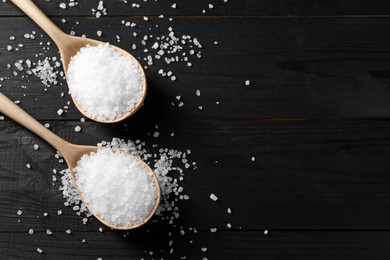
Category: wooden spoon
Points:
column 69, row 46
column 72, row 153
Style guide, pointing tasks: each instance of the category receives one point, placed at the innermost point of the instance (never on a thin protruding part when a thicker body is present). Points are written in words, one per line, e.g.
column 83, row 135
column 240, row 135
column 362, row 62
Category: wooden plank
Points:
column 321, row 68
column 220, row 245
column 195, row 7
column 306, row 176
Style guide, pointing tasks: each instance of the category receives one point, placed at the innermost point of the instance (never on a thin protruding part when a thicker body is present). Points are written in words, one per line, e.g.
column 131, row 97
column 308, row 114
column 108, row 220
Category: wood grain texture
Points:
column 194, row 8
column 307, row 176
column 221, row 245
column 321, row 68
column 314, row 117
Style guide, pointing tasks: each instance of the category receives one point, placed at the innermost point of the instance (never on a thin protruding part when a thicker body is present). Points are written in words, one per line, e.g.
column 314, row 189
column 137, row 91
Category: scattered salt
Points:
column 19, row 212
column 77, row 129
column 247, row 82
column 31, row 231
column 104, row 83
column 39, row 250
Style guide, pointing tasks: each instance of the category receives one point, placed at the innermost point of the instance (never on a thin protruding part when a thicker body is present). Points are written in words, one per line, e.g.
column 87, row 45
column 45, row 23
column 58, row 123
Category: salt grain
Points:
column 39, row 250
column 213, row 197
column 104, row 83
column 19, row 212
column 116, row 187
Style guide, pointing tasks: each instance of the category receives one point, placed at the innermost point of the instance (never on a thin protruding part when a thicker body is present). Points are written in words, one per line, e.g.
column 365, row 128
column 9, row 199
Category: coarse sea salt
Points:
column 116, row 187
column 105, row 83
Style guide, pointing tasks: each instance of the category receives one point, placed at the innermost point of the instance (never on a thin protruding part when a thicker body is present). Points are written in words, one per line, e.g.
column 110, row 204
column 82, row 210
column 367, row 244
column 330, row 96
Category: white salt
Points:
column 31, row 231
column 19, row 212
column 104, row 83
column 213, row 197
column 77, row 129
column 247, row 82
column 39, row 250
column 116, row 187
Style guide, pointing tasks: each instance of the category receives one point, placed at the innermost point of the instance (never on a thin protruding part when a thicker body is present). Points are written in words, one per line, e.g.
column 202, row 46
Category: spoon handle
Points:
column 29, row 8
column 13, row 111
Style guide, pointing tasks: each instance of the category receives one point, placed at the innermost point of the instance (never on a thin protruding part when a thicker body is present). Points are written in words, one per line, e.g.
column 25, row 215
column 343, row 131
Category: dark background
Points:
column 315, row 117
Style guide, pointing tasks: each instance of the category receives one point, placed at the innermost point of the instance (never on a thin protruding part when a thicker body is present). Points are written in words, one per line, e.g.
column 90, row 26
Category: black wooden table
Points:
column 315, row 117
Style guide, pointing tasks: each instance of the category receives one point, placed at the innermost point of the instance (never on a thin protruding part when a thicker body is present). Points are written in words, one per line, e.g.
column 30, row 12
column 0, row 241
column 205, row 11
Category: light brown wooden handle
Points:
column 29, row 8
column 13, row 111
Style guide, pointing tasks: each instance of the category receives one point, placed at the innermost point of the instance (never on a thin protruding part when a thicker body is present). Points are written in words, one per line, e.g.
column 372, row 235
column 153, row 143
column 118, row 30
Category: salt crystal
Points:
column 204, row 249
column 77, row 129
column 60, row 111
column 265, row 232
column 121, row 199
column 229, row 211
column 59, row 212
column 213, row 197
column 213, row 230
column 36, row 146
column 253, row 159
column 39, row 250
column 28, row 166
column 31, row 231
column 247, row 82
column 63, row 5
column 105, row 84
column 68, row 231
column 99, row 33
column 19, row 212
column 48, row 232
column 198, row 92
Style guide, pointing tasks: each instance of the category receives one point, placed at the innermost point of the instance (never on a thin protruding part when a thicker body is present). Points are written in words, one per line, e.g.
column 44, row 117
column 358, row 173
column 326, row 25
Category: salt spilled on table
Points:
column 104, row 83
column 116, row 187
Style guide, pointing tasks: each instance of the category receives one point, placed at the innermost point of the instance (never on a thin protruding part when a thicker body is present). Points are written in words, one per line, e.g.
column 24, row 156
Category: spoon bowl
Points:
column 69, row 46
column 72, row 154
